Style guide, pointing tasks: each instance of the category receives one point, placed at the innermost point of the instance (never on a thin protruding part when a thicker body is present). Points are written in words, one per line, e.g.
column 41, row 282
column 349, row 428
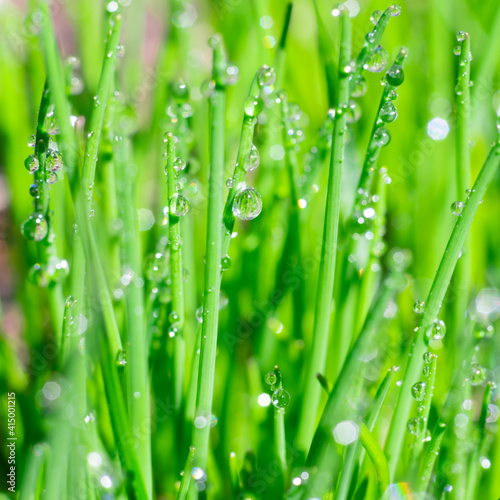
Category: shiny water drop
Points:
column 178, row 205
column 461, row 36
column 437, row 330
column 31, row 141
column 180, row 91
column 377, row 60
column 270, row 378
column 70, row 302
column 388, row 112
column 381, row 137
column 32, row 164
column 428, row 357
column 253, row 159
column 225, row 263
column 457, row 207
column 230, row 75
column 247, row 204
column 154, row 267
column 199, row 314
column 121, row 359
column 358, row 86
column 396, row 10
column 280, row 398
column 266, row 76
column 415, row 425
column 477, row 374
column 419, row 306
column 230, row 182
column 53, row 161
column 34, row 190
column 457, row 50
column 419, row 391
column 50, row 178
column 173, row 317
column 375, row 16
column 353, row 112
column 253, row 106
column 207, row 88
column 179, row 164
column 396, row 75
column 35, row 227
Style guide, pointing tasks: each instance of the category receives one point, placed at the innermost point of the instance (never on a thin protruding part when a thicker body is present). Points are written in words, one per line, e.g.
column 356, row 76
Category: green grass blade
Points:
column 317, row 359
column 434, row 300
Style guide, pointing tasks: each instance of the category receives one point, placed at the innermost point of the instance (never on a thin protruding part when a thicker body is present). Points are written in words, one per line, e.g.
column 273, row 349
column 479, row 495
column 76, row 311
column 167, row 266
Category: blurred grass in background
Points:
column 165, row 41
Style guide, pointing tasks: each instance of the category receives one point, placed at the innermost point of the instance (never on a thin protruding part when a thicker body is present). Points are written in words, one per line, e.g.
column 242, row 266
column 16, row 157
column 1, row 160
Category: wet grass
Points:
column 193, row 230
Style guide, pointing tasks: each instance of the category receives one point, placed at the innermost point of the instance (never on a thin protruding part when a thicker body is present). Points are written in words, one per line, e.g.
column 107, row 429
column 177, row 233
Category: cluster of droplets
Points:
column 280, row 397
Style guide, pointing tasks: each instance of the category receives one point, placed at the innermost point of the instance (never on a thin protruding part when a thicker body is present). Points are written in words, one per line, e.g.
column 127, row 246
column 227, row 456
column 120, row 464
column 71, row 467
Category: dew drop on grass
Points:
column 419, row 306
column 31, row 141
column 35, row 227
column 457, row 50
column 32, row 164
column 179, row 164
column 225, row 263
column 230, row 182
column 199, row 314
column 477, row 374
column 396, row 75
column 266, row 76
column 370, row 36
column 375, row 16
column 253, row 159
column 353, row 112
column 381, row 137
column 396, row 10
column 388, row 112
column 358, row 86
column 461, row 36
column 70, row 302
column 53, row 161
column 419, row 391
column 154, row 267
column 207, row 88
column 121, row 359
column 457, row 207
column 120, row 50
column 230, row 74
column 437, row 330
column 34, row 190
column 247, row 204
column 178, row 205
column 377, row 60
column 253, row 106
column 50, row 178
column 415, row 425
column 270, row 378
column 280, row 398
column 173, row 317
column 180, row 91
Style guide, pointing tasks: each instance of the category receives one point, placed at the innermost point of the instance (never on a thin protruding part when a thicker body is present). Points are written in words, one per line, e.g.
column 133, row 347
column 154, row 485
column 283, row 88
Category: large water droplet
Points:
column 121, row 359
column 247, row 204
column 477, row 374
column 415, row 425
column 270, row 378
column 280, row 398
column 461, row 36
column 225, row 263
column 178, row 205
column 396, row 75
column 377, row 60
column 381, row 137
column 31, row 141
column 457, row 207
column 179, row 164
column 388, row 112
column 266, row 76
column 437, row 330
column 419, row 306
column 419, row 391
column 253, row 106
column 32, row 164
column 35, row 227
column 375, row 16
column 396, row 10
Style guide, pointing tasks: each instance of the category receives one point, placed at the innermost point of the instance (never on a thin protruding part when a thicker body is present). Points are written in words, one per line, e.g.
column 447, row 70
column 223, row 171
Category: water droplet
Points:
column 457, row 207
column 461, row 36
column 457, row 50
column 358, row 86
column 374, row 18
column 266, row 76
column 137, row 395
column 396, row 10
column 415, row 425
column 70, row 302
column 388, row 112
column 199, row 314
column 50, row 178
column 477, row 374
column 396, row 75
column 428, row 357
column 230, row 182
column 230, row 75
column 154, row 267
column 280, row 398
column 179, row 164
column 419, row 391
column 377, row 60
column 437, row 330
column 35, row 227
column 247, row 204
column 34, row 191
column 207, row 88
column 353, row 112
column 253, row 159
column 180, row 90
column 32, row 164
column 370, row 36
column 53, row 161
column 381, row 137
column 253, row 106
column 270, row 378
column 31, row 141
column 419, row 306
column 178, row 205
column 225, row 263
column 121, row 359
